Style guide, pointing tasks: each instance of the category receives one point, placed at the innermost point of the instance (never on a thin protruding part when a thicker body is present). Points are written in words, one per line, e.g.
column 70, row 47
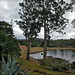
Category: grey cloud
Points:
column 1, row 18
column 11, row 12
column 14, row 17
column 19, row 36
column 18, row 32
column 70, row 33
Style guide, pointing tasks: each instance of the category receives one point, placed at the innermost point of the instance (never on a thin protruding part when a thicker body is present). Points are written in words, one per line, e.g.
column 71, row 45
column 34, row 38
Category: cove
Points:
column 64, row 54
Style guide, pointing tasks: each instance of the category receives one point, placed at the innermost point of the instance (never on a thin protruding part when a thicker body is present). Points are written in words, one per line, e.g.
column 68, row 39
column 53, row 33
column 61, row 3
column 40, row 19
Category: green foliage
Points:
column 51, row 43
column 8, row 44
column 6, row 28
column 56, row 64
column 12, row 67
column 51, row 17
column 22, row 42
column 48, row 14
column 29, row 22
column 62, row 43
column 36, row 42
column 29, row 15
column 11, row 47
column 73, row 66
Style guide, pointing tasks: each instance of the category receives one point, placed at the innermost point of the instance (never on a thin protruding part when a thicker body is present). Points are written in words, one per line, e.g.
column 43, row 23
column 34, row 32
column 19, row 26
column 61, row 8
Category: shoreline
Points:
column 40, row 49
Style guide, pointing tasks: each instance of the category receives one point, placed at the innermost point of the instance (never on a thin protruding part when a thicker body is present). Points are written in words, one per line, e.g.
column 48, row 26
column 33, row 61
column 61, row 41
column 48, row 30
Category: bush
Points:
column 73, row 66
column 12, row 67
column 55, row 64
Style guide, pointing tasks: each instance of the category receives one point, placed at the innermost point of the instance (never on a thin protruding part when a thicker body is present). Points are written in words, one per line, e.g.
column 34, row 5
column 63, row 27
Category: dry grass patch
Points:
column 39, row 49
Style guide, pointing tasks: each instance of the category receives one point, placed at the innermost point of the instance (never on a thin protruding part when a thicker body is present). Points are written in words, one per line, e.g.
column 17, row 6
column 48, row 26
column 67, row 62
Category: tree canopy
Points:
column 52, row 17
column 8, row 44
column 49, row 14
column 29, row 22
column 6, row 27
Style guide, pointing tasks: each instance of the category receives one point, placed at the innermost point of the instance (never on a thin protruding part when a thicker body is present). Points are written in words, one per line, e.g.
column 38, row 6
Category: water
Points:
column 64, row 54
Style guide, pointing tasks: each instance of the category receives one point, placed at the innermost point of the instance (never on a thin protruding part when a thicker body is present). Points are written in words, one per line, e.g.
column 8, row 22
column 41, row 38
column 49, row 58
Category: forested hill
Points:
column 51, row 43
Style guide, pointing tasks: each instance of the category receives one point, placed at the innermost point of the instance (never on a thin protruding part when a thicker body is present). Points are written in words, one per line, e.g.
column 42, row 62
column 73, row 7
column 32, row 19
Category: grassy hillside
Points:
column 36, row 68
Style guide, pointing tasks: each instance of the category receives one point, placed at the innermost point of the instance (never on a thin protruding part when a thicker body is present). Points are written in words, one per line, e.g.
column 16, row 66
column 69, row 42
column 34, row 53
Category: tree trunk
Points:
column 0, row 56
column 28, row 51
column 45, row 42
column 0, row 53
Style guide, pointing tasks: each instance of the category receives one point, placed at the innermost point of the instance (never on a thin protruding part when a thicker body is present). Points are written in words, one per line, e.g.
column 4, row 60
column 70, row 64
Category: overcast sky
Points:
column 9, row 10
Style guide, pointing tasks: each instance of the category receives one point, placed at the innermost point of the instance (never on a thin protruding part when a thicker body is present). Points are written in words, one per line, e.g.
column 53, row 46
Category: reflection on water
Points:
column 64, row 54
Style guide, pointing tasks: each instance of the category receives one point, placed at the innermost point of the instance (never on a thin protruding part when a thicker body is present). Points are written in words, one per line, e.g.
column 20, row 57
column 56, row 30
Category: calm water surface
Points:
column 64, row 54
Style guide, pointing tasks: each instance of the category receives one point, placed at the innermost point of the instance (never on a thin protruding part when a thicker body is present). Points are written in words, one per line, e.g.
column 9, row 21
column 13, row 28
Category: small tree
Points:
column 12, row 67
column 29, row 22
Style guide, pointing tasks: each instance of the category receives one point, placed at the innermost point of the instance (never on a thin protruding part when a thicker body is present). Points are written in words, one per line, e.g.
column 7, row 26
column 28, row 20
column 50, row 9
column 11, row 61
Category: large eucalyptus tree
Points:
column 29, row 22
column 52, row 17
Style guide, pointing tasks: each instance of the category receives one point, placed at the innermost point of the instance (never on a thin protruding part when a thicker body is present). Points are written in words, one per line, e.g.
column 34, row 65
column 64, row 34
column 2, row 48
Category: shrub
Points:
column 12, row 67
column 73, row 66
column 55, row 64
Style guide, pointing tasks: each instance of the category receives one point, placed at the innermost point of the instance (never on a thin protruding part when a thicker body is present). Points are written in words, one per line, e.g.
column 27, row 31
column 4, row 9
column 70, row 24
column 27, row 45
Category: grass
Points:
column 39, row 49
column 32, row 66
column 35, row 73
column 37, row 69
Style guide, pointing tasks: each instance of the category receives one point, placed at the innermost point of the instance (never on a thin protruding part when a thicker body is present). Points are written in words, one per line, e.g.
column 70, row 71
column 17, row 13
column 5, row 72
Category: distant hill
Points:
column 38, row 42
